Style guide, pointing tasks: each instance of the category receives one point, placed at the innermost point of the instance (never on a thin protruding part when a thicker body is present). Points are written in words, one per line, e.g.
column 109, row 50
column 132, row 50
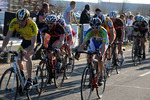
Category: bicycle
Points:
column 13, row 80
column 65, row 62
column 137, row 50
column 89, row 79
column 49, row 69
column 116, row 60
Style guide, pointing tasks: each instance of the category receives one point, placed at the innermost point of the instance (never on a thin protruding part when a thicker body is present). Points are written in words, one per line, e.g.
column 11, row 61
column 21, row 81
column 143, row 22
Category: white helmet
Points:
column 51, row 18
column 112, row 14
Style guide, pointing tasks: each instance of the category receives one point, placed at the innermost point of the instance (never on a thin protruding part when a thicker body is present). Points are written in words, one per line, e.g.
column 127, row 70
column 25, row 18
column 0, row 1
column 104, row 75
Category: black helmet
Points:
column 95, row 22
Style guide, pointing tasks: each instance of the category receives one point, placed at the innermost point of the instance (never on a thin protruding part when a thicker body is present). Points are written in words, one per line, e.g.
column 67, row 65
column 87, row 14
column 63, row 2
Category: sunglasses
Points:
column 95, row 27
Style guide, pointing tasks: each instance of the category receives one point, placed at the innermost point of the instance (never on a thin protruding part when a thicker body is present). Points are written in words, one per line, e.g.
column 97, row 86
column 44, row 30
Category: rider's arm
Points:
column 112, row 34
column 61, row 39
column 6, row 40
column 123, row 32
column 103, row 48
column 33, row 44
column 70, row 39
column 81, row 47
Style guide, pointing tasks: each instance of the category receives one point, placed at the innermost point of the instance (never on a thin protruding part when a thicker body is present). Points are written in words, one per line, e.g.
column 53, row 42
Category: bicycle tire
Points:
column 69, row 69
column 100, row 89
column 39, row 79
column 45, row 74
column 36, row 89
column 119, row 64
column 135, row 57
column 133, row 50
column 59, row 76
column 86, row 84
column 11, row 93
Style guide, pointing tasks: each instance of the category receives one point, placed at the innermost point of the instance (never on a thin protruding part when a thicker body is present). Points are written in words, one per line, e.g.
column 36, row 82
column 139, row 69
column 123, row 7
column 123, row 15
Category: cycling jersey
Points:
column 69, row 31
column 108, row 25
column 27, row 32
column 55, row 33
column 142, row 28
column 102, row 34
column 118, row 24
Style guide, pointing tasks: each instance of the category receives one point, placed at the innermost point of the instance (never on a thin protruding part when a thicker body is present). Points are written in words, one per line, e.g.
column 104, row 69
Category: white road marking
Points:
column 126, row 86
column 145, row 74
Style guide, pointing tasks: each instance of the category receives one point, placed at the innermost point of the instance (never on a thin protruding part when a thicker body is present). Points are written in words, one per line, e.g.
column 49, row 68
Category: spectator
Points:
column 130, row 20
column 85, row 15
column 122, row 16
column 40, row 21
column 69, row 13
column 98, row 14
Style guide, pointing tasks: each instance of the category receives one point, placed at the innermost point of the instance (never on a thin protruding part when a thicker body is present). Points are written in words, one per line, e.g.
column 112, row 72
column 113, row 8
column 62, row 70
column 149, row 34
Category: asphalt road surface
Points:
column 133, row 83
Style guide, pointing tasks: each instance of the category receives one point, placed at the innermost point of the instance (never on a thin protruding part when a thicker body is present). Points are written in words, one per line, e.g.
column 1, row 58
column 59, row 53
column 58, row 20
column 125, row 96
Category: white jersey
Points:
column 68, row 30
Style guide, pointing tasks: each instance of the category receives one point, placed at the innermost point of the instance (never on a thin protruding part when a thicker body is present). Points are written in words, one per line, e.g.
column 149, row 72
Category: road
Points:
column 132, row 83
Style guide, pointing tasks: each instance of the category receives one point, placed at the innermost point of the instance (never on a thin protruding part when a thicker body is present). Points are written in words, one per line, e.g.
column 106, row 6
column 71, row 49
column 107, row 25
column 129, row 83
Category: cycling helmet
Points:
column 95, row 22
column 140, row 18
column 135, row 18
column 61, row 21
column 22, row 14
column 50, row 18
column 112, row 14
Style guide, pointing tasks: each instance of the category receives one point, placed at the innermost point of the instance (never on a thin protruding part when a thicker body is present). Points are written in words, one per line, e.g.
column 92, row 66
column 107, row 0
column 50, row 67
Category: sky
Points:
column 128, row 1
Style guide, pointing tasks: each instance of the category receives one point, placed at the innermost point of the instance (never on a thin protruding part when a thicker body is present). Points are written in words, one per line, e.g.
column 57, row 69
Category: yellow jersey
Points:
column 27, row 32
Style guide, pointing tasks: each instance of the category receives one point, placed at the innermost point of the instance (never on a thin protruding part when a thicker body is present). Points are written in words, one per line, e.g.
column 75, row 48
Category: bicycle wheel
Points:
column 39, row 79
column 9, row 84
column 100, row 89
column 133, row 50
column 69, row 69
column 36, row 88
column 135, row 57
column 44, row 75
column 59, row 77
column 86, row 85
column 119, row 64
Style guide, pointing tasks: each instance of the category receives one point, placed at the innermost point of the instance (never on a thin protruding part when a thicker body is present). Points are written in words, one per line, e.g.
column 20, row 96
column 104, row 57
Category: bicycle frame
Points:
column 16, row 72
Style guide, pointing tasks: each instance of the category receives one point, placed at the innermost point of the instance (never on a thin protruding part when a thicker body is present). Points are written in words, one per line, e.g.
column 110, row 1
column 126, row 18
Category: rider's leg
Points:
column 143, row 45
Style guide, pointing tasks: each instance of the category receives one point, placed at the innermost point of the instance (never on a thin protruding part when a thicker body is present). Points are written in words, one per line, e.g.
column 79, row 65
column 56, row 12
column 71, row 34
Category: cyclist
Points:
column 70, row 37
column 99, row 41
column 57, row 36
column 119, row 27
column 108, row 25
column 28, row 29
column 140, row 25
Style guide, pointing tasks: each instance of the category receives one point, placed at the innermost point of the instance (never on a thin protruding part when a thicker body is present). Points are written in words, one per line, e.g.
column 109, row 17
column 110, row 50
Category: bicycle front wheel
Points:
column 119, row 64
column 9, row 84
column 100, row 89
column 59, row 77
column 69, row 68
column 44, row 74
column 87, row 85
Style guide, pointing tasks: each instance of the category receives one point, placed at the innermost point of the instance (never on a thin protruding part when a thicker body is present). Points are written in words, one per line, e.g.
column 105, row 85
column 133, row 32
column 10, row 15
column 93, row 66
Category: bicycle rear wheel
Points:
column 59, row 77
column 69, row 69
column 9, row 84
column 86, row 85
